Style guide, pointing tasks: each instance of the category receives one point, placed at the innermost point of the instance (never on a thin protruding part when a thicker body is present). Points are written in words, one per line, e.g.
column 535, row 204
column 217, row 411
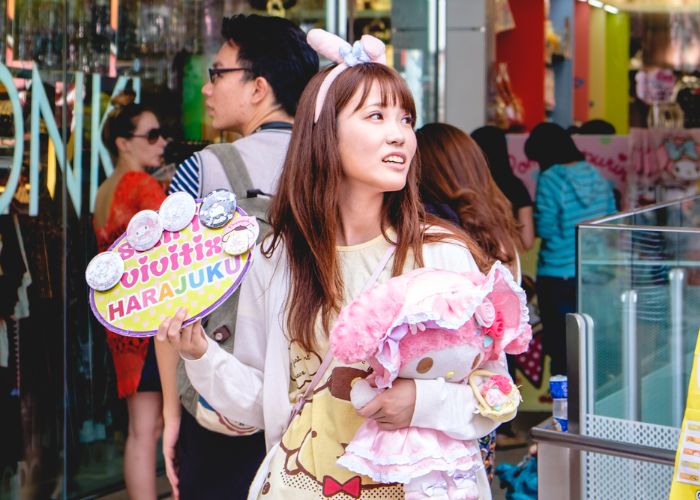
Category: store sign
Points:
column 42, row 109
column 187, row 268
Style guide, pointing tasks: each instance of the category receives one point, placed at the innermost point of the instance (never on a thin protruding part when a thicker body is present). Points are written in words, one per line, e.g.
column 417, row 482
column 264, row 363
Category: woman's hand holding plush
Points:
column 393, row 408
column 444, row 327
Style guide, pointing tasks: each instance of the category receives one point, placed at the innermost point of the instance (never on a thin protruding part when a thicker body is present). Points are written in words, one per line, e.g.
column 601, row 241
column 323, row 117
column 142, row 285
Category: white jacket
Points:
column 252, row 385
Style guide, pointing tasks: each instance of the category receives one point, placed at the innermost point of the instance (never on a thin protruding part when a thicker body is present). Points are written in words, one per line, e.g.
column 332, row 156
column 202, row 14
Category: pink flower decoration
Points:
column 497, row 328
column 485, row 314
column 503, row 383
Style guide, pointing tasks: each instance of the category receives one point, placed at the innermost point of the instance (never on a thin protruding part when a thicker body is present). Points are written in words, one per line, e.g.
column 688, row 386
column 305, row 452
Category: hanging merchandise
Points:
column 22, row 306
column 552, row 42
column 550, row 101
column 656, row 87
column 504, row 20
column 684, row 49
column 4, row 345
column 686, row 474
column 665, row 158
column 509, row 108
column 688, row 98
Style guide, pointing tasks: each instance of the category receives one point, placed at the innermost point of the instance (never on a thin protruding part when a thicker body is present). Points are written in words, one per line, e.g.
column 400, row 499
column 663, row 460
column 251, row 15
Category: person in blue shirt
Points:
column 569, row 191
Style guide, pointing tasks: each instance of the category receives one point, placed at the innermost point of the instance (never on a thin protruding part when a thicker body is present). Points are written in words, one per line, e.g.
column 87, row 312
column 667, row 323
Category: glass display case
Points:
column 639, row 307
column 639, row 282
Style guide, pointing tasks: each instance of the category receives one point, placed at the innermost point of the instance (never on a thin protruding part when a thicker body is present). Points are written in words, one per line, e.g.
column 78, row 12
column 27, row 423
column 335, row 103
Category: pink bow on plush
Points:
column 334, row 48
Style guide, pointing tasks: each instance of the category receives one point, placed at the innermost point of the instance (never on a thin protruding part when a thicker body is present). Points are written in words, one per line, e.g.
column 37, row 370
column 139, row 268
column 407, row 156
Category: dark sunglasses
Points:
column 152, row 135
column 214, row 73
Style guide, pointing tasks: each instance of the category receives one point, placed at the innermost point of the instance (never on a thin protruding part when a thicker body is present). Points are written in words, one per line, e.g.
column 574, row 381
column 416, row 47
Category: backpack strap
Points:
column 237, row 174
column 220, row 323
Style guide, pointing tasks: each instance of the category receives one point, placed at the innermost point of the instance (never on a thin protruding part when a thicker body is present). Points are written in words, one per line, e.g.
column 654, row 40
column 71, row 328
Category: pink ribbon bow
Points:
column 334, row 48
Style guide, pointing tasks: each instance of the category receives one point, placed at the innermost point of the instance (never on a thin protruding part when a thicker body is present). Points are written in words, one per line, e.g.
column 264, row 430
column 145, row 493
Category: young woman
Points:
column 132, row 134
column 348, row 194
column 493, row 143
column 456, row 184
column 569, row 191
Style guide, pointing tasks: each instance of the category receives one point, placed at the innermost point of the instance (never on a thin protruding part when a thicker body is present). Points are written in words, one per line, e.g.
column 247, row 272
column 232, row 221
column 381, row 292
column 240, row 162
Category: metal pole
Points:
column 331, row 17
column 342, row 13
column 677, row 279
column 588, row 377
column 604, row 446
column 576, row 355
column 630, row 355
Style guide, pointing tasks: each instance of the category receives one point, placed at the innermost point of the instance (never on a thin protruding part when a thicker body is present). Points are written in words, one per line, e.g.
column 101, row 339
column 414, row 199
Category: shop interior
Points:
column 635, row 64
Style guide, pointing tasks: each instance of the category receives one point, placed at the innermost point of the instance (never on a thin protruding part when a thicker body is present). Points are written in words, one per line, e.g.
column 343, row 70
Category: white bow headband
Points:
column 367, row 49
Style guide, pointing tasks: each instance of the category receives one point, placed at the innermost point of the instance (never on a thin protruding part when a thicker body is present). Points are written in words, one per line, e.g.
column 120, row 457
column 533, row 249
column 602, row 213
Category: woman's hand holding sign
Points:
column 189, row 341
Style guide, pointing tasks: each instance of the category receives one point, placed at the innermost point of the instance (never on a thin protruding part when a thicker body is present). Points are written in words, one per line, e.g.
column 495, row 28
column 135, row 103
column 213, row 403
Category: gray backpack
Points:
column 221, row 323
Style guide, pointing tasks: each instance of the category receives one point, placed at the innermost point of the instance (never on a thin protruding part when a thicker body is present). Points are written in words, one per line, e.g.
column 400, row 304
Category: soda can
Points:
column 558, row 387
column 560, row 424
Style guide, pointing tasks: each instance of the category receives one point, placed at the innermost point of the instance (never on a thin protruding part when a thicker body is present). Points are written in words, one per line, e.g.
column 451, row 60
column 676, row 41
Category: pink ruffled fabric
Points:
column 373, row 326
column 404, row 454
column 421, row 311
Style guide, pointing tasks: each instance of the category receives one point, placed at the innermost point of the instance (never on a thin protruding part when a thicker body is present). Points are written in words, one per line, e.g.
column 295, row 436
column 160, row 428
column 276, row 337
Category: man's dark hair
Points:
column 549, row 144
column 275, row 49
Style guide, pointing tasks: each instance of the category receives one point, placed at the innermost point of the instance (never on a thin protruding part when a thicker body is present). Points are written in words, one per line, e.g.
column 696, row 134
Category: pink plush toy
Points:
column 430, row 324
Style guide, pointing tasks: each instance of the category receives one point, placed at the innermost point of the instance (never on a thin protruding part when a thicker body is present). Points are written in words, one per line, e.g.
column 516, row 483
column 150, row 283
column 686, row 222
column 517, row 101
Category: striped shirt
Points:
column 263, row 154
column 186, row 176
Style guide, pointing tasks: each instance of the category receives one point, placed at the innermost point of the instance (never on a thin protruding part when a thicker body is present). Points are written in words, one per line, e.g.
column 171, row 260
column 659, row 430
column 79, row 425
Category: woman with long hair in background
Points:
column 456, row 185
column 492, row 141
column 133, row 136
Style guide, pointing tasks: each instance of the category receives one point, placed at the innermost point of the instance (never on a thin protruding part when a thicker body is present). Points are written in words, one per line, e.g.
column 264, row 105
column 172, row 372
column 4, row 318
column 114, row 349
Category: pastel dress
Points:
column 135, row 191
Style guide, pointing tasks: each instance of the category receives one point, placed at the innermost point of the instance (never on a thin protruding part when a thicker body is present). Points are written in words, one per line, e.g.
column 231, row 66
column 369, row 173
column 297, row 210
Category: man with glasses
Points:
column 254, row 86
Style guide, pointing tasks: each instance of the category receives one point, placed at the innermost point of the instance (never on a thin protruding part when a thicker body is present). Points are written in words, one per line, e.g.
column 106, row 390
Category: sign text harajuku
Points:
column 187, row 268
column 42, row 109
column 609, row 153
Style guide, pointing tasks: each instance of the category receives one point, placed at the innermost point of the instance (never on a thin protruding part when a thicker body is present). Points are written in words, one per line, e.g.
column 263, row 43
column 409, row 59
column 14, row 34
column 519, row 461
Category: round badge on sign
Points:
column 104, row 271
column 241, row 235
column 176, row 211
column 188, row 267
column 217, row 208
column 144, row 230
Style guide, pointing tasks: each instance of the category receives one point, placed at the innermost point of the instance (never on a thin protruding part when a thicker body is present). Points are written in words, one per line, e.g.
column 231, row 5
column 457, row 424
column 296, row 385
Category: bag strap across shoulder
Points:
column 234, row 167
column 328, row 358
column 238, row 177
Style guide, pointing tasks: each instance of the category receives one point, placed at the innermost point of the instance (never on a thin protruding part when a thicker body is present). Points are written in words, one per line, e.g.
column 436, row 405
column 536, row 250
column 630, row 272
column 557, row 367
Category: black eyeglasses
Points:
column 214, row 73
column 152, row 135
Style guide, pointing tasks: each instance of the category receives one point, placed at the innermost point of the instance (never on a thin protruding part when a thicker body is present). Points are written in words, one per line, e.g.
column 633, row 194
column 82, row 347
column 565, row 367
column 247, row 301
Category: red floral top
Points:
column 135, row 191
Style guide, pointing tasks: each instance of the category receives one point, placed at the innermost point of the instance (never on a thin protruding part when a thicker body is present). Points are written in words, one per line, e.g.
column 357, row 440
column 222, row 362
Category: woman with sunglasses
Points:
column 132, row 135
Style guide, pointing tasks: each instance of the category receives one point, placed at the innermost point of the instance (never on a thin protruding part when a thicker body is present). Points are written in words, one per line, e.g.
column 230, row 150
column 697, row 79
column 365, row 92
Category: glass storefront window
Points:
column 408, row 28
column 62, row 426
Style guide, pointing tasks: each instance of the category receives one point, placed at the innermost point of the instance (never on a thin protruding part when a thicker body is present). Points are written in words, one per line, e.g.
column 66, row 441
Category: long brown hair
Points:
column 455, row 172
column 304, row 213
